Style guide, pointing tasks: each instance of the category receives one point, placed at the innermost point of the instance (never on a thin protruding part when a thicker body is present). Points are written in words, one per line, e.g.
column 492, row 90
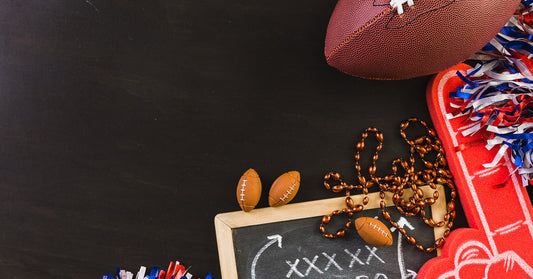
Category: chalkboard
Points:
column 285, row 242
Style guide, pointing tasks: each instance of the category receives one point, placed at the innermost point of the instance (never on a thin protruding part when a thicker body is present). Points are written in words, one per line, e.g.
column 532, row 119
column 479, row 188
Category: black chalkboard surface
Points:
column 285, row 243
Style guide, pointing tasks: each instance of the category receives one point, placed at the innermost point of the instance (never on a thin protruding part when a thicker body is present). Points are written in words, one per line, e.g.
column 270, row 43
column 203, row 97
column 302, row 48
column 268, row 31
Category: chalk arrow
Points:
column 410, row 274
column 402, row 223
column 273, row 239
column 405, row 273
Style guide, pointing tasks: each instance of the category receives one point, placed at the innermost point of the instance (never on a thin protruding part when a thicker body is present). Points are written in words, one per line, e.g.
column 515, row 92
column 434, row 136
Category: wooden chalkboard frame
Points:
column 226, row 222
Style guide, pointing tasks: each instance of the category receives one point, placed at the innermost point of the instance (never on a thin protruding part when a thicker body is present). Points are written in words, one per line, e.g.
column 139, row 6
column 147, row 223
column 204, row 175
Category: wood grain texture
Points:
column 124, row 125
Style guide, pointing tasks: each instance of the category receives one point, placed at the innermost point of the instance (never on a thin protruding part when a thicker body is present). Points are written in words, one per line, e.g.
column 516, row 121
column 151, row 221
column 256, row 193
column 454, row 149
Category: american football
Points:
column 373, row 231
column 249, row 190
column 284, row 189
column 400, row 39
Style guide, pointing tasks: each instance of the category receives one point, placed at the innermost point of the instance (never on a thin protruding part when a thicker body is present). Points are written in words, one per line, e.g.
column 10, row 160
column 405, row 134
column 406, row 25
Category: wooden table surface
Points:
column 125, row 125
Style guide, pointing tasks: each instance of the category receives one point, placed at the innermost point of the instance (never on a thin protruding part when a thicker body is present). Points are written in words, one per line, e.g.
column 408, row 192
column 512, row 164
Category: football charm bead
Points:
column 284, row 188
column 400, row 39
column 373, row 231
column 249, row 190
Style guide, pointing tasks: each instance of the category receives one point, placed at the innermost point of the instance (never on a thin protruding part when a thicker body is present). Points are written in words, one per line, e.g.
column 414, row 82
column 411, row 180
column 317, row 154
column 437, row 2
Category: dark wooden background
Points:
column 125, row 125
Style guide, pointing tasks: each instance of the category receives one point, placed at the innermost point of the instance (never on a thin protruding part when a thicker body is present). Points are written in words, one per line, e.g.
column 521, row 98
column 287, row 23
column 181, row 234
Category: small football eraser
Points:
column 284, row 189
column 373, row 231
column 249, row 190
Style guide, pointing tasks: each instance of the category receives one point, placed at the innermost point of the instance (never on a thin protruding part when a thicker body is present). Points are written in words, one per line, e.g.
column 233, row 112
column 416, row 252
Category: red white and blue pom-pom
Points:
column 498, row 94
column 174, row 271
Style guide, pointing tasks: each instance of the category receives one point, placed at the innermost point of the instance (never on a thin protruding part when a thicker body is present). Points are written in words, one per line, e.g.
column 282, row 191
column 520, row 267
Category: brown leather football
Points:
column 249, row 190
column 373, row 231
column 284, row 189
column 399, row 39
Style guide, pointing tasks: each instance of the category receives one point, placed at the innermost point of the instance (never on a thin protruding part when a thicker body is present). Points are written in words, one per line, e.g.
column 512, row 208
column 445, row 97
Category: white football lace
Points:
column 398, row 5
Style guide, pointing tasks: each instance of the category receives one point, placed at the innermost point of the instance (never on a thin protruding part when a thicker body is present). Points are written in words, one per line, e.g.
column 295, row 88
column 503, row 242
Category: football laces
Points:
column 398, row 4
